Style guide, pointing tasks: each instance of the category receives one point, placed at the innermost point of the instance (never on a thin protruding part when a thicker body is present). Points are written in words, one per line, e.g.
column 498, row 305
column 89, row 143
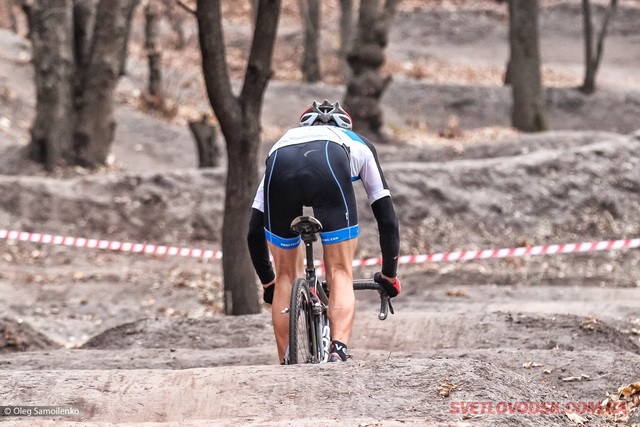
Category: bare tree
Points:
column 528, row 112
column 204, row 133
column 152, row 45
column 76, row 57
column 239, row 119
column 366, row 85
column 346, row 33
column 124, row 51
column 310, row 14
column 53, row 61
column 593, row 58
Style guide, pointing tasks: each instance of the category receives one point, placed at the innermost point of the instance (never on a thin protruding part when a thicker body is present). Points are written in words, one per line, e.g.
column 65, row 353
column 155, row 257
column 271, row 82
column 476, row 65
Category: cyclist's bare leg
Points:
column 288, row 264
column 342, row 302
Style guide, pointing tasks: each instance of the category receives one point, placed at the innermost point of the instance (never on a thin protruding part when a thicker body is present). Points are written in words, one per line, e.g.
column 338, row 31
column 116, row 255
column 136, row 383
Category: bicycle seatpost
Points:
column 310, row 270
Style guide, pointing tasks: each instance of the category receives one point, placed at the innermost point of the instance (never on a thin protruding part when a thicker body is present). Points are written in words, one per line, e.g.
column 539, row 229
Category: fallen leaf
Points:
column 576, row 418
column 629, row 390
column 530, row 365
column 457, row 293
column 589, row 323
column 445, row 389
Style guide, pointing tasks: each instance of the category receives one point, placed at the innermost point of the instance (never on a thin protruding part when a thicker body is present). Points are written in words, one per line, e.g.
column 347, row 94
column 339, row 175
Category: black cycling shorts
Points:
column 315, row 174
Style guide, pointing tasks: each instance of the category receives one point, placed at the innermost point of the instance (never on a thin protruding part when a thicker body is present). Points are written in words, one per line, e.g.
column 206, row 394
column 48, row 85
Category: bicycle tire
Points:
column 302, row 342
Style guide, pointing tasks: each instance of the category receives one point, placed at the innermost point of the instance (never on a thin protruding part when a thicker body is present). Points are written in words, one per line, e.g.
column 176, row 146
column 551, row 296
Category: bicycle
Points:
column 309, row 329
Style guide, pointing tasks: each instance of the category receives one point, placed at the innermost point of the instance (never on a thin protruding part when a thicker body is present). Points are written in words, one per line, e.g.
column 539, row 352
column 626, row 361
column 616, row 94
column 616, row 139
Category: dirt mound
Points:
column 393, row 390
column 564, row 192
column 138, row 358
column 406, row 332
column 174, row 207
column 414, row 331
column 19, row 336
column 208, row 333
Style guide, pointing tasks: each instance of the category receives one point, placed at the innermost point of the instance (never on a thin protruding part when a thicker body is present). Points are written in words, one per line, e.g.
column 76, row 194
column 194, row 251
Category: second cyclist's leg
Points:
column 338, row 258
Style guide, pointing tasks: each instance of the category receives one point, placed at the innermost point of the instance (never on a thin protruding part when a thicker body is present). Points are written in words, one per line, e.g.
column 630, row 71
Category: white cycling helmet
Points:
column 326, row 114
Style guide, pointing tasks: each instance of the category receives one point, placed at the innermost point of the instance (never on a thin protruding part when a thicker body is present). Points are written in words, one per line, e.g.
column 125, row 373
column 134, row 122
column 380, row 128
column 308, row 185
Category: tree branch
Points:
column 186, row 7
column 259, row 65
column 214, row 63
column 603, row 33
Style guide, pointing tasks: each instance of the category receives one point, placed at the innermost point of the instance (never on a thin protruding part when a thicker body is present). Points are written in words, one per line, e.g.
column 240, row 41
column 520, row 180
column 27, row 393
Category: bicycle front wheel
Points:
column 302, row 337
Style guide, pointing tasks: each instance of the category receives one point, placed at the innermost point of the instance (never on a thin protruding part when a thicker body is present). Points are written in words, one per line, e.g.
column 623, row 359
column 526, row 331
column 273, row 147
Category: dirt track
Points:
column 139, row 339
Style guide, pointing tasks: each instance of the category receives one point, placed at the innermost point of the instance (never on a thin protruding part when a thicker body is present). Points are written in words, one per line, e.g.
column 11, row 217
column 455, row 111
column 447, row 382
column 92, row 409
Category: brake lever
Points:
column 390, row 306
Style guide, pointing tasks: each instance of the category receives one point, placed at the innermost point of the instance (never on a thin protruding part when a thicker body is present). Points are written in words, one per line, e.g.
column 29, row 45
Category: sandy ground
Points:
column 141, row 340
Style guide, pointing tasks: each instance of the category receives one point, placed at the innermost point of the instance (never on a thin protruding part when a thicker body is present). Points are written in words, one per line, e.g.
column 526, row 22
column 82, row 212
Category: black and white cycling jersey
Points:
column 362, row 157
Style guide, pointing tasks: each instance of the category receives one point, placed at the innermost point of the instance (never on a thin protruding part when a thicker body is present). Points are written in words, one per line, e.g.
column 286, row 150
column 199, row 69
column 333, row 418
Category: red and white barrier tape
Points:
column 80, row 242
column 604, row 245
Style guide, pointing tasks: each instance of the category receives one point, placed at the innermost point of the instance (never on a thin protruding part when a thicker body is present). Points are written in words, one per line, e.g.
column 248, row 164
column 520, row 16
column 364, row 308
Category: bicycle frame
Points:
column 319, row 300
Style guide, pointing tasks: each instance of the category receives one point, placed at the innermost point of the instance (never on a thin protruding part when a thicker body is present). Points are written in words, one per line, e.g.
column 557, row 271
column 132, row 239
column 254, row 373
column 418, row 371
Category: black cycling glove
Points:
column 392, row 289
column 267, row 295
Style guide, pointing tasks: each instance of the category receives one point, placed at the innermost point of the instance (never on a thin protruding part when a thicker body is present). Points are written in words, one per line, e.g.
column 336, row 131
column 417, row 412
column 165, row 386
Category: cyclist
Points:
column 314, row 165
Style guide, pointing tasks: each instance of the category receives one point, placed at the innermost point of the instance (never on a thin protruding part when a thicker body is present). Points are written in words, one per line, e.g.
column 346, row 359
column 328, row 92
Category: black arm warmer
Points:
column 387, row 220
column 258, row 248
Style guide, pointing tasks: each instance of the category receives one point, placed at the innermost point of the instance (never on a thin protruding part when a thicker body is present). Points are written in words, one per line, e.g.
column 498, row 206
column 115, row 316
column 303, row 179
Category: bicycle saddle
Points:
column 306, row 225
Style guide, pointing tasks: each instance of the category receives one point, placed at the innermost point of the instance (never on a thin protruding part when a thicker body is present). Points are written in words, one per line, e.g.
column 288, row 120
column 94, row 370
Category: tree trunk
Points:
column 128, row 10
column 346, row 34
column 593, row 59
column 242, row 181
column 239, row 119
column 366, row 85
column 528, row 112
column 206, row 141
column 507, row 73
column 310, row 14
column 153, row 49
column 95, row 129
column 84, row 20
column 76, row 61
column 588, row 85
column 254, row 9
column 52, row 130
